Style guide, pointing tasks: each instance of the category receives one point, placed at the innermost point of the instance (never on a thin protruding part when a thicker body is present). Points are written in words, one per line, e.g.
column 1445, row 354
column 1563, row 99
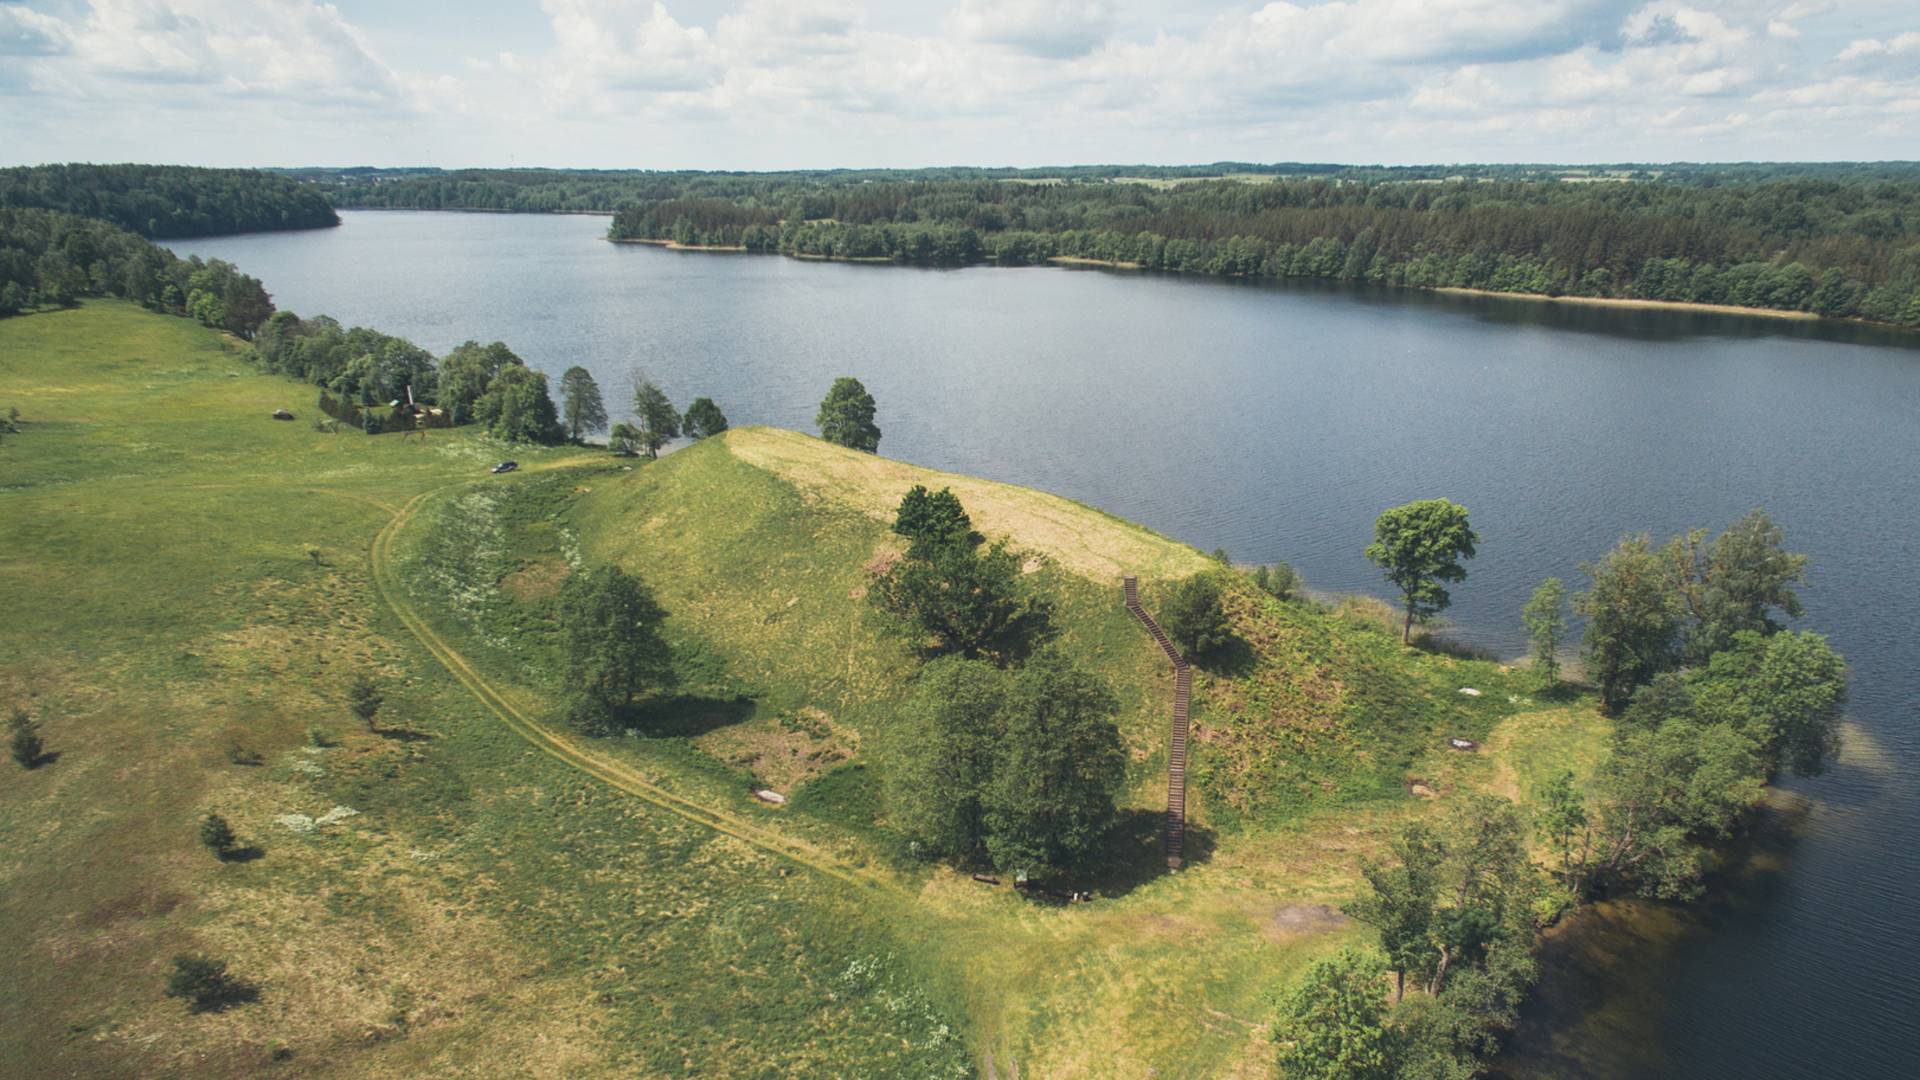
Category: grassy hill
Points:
column 188, row 586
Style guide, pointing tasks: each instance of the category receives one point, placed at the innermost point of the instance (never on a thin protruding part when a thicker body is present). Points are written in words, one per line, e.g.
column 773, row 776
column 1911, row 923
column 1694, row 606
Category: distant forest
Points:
column 168, row 201
column 1840, row 239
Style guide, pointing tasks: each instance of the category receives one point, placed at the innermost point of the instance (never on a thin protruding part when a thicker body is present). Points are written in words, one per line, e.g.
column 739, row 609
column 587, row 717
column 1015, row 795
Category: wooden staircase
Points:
column 1176, row 829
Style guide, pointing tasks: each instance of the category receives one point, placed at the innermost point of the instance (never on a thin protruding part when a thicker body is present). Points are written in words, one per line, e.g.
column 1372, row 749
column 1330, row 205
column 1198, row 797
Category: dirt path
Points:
column 555, row 744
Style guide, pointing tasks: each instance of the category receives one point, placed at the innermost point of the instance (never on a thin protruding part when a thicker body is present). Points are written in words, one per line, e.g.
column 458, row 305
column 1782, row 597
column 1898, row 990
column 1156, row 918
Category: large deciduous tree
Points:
column 970, row 602
column 952, row 727
column 1418, row 546
column 517, row 408
column 581, row 404
column 846, row 416
column 1633, row 619
column 1060, row 766
column 1735, row 582
column 610, row 639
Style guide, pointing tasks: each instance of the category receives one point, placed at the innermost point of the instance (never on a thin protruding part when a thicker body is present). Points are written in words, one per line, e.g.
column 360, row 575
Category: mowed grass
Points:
column 490, row 910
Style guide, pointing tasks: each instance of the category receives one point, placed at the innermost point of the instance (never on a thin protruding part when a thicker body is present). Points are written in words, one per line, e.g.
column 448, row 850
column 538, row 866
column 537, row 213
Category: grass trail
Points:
column 556, row 745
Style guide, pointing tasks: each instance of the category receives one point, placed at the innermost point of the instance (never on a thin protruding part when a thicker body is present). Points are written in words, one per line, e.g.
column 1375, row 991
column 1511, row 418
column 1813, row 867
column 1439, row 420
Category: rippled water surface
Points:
column 1277, row 422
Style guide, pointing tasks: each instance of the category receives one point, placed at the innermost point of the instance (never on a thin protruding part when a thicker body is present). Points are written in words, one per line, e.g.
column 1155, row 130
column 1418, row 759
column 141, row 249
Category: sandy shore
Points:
column 1645, row 305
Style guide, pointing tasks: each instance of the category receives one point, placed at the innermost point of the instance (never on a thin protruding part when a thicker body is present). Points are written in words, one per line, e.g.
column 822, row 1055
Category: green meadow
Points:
column 471, row 889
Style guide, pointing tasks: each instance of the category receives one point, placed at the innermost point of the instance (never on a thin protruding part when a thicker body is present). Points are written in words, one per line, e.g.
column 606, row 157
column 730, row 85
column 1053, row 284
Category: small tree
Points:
column 1545, row 616
column 206, row 985
column 1193, row 617
column 1563, row 824
column 624, row 440
column 1401, row 904
column 217, row 836
column 704, row 419
column 659, row 422
column 364, row 698
column 517, row 407
column 581, row 403
column 931, row 520
column 1418, row 546
column 846, row 416
column 24, row 740
column 1332, row 1025
column 1280, row 580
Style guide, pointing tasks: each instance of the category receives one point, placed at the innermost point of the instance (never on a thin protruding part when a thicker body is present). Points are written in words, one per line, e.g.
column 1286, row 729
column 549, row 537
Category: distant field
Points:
column 184, row 576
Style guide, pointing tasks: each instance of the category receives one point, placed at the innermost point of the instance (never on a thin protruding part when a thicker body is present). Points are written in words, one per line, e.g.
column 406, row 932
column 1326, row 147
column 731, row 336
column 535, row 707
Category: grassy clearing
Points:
column 183, row 575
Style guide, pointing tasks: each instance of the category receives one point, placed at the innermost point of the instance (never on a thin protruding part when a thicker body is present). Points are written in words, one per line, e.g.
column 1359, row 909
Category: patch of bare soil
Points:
column 782, row 752
column 537, row 580
column 1301, row 920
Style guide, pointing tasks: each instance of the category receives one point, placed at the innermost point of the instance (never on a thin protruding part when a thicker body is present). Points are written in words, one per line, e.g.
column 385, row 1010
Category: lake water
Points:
column 1277, row 422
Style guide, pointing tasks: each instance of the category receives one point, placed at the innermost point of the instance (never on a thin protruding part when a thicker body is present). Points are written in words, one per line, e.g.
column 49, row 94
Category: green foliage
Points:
column 1449, row 1035
column 364, row 697
column 658, row 420
column 465, row 375
column 217, row 836
column 23, row 739
column 846, row 416
column 1786, row 690
column 704, row 419
column 1418, row 546
column 1193, row 618
column 932, row 520
column 1545, row 617
column 516, row 407
column 166, row 201
column 1281, row 580
column 1664, row 795
column 610, row 639
column 50, row 259
column 952, row 726
column 1734, row 583
column 1400, row 905
column 1332, row 1024
column 970, row 602
column 1563, row 825
column 1061, row 765
column 624, row 440
column 1633, row 619
column 206, row 985
column 580, row 403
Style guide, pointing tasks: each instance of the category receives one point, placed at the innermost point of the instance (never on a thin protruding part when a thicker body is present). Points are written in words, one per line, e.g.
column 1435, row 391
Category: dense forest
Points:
column 165, row 201
column 1842, row 243
column 51, row 259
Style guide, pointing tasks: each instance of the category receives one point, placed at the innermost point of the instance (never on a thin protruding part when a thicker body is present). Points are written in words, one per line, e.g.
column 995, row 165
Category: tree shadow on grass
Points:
column 43, row 759
column 1134, row 855
column 686, row 716
column 1233, row 658
column 404, row 734
column 230, row 993
column 246, row 853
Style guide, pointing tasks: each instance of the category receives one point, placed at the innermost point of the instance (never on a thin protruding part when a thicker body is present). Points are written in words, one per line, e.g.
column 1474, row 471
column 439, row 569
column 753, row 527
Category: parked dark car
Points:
column 506, row 466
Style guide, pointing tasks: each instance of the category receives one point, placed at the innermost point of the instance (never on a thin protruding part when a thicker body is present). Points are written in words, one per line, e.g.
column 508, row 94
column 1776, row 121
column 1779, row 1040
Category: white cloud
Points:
column 1050, row 28
column 1895, row 46
column 26, row 32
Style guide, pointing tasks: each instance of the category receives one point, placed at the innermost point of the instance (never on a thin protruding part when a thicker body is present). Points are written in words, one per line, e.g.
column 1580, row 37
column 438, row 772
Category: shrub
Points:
column 218, row 836
column 25, row 741
column 1279, row 580
column 364, row 698
column 1193, row 616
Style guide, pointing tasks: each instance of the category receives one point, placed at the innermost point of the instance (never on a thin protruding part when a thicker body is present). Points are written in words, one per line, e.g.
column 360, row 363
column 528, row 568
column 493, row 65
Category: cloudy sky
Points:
column 812, row 83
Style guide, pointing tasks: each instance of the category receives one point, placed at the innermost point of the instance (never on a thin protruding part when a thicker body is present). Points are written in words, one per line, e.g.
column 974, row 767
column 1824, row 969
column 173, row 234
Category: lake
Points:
column 1277, row 422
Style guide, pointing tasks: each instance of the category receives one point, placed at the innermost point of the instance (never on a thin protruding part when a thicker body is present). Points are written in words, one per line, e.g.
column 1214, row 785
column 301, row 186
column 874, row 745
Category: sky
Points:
column 763, row 84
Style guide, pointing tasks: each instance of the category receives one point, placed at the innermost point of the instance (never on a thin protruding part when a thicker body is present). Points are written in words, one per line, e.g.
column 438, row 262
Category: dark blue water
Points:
column 1277, row 422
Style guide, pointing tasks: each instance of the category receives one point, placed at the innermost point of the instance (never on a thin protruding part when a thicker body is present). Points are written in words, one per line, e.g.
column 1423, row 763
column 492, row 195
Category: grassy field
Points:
column 187, row 583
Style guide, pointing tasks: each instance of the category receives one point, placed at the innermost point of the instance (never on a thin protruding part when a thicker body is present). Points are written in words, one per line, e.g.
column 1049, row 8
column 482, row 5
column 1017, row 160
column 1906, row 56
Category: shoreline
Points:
column 674, row 246
column 1635, row 304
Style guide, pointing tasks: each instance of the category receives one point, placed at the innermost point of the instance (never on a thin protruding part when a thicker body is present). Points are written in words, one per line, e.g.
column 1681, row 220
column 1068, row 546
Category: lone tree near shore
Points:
column 580, row 403
column 846, row 416
column 1418, row 546
column 659, row 420
column 1545, row 616
column 1194, row 618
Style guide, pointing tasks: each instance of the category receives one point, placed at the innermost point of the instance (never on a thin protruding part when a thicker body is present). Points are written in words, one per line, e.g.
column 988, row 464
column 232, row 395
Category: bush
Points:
column 1280, row 580
column 364, row 698
column 218, row 836
column 1193, row 616
column 205, row 984
column 25, row 742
